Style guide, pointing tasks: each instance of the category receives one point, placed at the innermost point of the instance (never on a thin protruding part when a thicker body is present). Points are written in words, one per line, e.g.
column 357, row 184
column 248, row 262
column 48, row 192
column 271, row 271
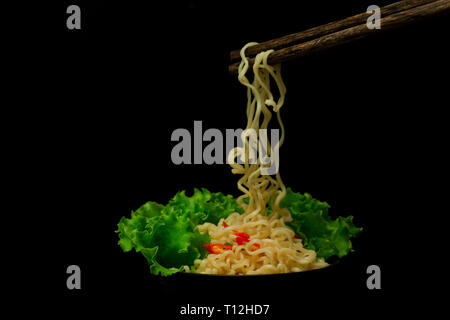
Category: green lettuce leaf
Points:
column 319, row 232
column 167, row 236
column 204, row 206
column 155, row 267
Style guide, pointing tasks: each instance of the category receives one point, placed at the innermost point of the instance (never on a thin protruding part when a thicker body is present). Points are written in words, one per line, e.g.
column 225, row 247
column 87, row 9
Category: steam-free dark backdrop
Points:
column 357, row 118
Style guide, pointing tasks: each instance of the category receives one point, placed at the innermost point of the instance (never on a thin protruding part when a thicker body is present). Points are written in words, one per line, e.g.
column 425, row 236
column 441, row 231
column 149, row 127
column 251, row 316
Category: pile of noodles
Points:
column 277, row 249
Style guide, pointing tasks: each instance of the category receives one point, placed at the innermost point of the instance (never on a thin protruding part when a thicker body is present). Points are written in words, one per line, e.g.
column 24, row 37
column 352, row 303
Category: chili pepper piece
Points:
column 241, row 234
column 217, row 248
column 208, row 247
column 241, row 240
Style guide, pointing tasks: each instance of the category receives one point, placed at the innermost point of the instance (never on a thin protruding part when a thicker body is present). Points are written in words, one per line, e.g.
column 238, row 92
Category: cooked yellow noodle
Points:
column 280, row 251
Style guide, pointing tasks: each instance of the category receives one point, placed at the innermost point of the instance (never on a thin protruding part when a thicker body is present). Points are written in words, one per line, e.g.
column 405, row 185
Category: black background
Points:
column 362, row 121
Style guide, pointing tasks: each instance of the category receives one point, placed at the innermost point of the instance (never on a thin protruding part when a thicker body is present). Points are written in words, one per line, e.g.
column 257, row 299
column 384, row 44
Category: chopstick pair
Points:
column 335, row 33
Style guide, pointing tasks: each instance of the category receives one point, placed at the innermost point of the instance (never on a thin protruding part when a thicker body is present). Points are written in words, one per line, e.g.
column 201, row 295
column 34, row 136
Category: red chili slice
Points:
column 225, row 225
column 217, row 248
column 256, row 245
column 241, row 234
column 241, row 240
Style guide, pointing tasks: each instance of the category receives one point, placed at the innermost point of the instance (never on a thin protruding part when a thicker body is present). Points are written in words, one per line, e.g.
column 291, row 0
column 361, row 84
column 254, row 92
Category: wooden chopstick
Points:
column 325, row 29
column 344, row 31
